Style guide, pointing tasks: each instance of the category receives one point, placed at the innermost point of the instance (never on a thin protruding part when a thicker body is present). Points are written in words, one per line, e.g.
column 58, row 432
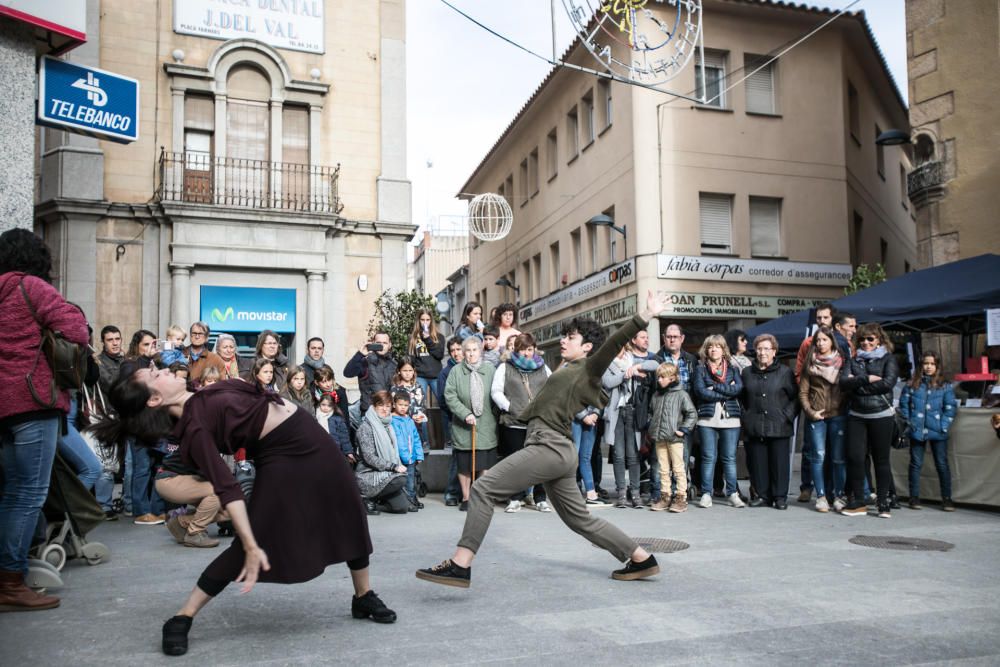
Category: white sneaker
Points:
column 736, row 501
column 822, row 505
column 543, row 506
column 513, row 506
column 706, row 500
column 839, row 504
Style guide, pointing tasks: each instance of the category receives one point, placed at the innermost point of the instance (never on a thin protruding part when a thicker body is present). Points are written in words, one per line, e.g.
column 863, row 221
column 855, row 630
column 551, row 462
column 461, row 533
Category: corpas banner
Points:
column 594, row 284
column 733, row 306
column 732, row 269
column 248, row 309
column 285, row 24
column 87, row 100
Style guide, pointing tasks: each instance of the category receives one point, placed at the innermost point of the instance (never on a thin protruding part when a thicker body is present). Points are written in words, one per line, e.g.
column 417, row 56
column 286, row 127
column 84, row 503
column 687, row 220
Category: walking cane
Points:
column 473, row 452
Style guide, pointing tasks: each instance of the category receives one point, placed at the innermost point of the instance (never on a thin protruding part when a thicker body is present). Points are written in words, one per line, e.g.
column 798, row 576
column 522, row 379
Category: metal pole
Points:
column 552, row 14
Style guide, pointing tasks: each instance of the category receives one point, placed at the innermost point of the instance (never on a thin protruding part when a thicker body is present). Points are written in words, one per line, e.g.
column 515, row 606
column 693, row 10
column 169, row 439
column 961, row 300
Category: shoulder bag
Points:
column 67, row 360
column 901, row 427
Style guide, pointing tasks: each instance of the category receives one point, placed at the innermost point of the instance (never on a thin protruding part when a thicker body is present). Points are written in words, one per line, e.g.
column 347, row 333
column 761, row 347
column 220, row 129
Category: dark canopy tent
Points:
column 950, row 298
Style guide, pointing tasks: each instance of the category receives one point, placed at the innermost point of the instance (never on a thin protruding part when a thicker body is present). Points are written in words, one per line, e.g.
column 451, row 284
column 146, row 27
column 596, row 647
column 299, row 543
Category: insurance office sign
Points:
column 736, row 270
column 597, row 283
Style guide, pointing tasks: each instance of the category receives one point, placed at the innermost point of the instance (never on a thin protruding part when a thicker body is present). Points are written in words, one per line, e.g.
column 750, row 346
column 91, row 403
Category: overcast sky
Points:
column 464, row 85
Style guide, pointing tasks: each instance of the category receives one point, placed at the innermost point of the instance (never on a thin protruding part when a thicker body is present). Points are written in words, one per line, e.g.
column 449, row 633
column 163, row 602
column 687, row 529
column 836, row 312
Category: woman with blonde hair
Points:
column 716, row 386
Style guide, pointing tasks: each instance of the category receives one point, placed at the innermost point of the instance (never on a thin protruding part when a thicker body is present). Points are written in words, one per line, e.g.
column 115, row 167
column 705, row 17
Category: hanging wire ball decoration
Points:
column 490, row 217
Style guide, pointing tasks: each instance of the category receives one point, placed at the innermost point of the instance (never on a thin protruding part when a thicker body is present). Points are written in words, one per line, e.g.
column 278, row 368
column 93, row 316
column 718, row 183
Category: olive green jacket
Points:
column 457, row 396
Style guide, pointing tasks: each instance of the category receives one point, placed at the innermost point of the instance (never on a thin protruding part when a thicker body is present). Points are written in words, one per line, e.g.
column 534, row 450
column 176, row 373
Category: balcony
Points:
column 925, row 184
column 200, row 178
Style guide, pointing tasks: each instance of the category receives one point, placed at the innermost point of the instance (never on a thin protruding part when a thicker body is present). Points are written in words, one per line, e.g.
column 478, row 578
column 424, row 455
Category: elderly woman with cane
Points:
column 299, row 476
column 467, row 393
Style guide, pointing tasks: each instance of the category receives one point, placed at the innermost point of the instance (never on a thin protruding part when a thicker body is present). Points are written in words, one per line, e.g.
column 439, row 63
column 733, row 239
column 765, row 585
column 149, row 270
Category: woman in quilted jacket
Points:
column 31, row 417
column 928, row 403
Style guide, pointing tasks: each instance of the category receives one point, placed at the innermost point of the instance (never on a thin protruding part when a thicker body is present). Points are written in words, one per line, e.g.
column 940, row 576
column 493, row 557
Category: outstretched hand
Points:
column 254, row 561
column 655, row 304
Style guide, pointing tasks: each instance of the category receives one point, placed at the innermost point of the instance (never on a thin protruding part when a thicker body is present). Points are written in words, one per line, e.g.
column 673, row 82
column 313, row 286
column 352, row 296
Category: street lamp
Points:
column 893, row 137
column 505, row 282
column 607, row 221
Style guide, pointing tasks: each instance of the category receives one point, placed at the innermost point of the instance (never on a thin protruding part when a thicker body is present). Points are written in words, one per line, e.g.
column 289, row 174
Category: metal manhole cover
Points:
column 900, row 543
column 661, row 546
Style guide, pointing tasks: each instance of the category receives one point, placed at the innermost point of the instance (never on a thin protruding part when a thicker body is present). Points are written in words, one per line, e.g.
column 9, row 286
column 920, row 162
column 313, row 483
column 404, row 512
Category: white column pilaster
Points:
column 314, row 302
column 180, row 294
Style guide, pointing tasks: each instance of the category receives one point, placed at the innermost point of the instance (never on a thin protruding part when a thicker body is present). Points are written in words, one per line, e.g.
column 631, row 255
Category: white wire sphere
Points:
column 490, row 217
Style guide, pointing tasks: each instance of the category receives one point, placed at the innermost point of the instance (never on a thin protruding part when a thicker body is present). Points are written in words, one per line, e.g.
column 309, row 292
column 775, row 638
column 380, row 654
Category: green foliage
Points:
column 395, row 314
column 864, row 277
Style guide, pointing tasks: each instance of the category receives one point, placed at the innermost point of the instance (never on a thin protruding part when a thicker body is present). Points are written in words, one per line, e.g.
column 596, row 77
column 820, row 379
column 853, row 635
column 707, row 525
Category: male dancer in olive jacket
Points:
column 550, row 458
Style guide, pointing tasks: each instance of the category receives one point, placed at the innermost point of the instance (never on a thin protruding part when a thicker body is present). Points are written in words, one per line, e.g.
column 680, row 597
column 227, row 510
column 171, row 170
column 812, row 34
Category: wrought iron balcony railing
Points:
column 200, row 178
column 926, row 183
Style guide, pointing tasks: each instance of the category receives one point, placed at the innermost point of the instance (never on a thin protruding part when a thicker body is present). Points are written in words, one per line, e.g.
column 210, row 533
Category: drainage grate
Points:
column 900, row 543
column 661, row 546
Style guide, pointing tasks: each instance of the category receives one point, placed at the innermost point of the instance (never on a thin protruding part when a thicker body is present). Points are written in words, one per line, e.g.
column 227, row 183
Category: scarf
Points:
column 231, row 369
column 718, row 375
column 877, row 353
column 526, row 364
column 827, row 366
column 385, row 437
column 476, row 393
column 193, row 355
column 313, row 364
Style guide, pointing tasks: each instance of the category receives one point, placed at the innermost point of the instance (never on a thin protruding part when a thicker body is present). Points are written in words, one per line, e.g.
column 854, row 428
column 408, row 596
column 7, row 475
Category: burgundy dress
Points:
column 306, row 510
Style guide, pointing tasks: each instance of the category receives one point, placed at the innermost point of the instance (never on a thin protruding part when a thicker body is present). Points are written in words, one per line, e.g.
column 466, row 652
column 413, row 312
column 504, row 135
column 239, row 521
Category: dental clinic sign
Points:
column 87, row 100
column 248, row 309
column 284, row 24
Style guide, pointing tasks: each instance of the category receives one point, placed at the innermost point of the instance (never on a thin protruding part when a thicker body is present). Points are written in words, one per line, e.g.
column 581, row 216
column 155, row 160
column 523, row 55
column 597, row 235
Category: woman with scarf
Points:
column 467, row 393
column 380, row 473
column 716, row 386
column 819, row 394
column 868, row 380
column 298, row 472
column 769, row 409
column 233, row 365
column 516, row 382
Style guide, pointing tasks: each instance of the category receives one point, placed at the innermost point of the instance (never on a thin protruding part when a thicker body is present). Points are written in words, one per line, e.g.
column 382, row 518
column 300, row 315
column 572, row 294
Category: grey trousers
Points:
column 548, row 458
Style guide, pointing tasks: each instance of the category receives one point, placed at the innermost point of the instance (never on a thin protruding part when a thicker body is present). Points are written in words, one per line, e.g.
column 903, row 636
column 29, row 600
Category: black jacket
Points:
column 864, row 397
column 374, row 373
column 770, row 401
column 427, row 356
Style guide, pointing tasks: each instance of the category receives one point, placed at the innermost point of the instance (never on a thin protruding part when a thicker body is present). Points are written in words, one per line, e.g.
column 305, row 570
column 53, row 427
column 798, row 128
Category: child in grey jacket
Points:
column 672, row 415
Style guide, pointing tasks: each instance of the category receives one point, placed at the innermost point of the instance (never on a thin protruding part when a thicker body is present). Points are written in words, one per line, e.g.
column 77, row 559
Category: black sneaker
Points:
column 371, row 509
column 463, row 506
column 447, row 573
column 226, row 529
column 633, row 570
column 915, row 503
column 370, row 606
column 175, row 635
column 110, row 515
column 947, row 505
column 450, row 502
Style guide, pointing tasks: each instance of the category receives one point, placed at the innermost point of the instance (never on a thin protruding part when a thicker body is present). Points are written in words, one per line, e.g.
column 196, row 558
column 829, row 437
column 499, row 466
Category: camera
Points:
column 162, row 345
column 374, row 347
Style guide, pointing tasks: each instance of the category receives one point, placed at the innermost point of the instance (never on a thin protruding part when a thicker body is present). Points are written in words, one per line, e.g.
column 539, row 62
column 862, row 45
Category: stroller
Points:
column 69, row 513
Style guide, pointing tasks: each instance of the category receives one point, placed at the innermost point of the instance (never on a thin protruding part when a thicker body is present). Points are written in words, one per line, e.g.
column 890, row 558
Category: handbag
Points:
column 67, row 360
column 901, row 428
column 94, row 410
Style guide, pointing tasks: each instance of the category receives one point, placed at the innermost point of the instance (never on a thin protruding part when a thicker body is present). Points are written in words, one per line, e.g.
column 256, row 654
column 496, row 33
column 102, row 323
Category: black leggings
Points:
column 212, row 586
column 872, row 436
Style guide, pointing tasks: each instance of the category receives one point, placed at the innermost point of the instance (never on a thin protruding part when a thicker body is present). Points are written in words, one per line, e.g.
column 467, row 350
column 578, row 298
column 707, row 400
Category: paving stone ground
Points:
column 756, row 587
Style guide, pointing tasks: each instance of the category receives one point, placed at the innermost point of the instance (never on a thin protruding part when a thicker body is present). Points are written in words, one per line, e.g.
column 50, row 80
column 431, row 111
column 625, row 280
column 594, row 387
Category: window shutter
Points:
column 716, row 59
column 765, row 227
column 716, row 221
column 760, row 88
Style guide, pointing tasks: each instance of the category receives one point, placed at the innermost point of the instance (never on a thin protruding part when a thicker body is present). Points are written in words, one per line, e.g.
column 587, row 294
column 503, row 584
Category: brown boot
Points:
column 15, row 596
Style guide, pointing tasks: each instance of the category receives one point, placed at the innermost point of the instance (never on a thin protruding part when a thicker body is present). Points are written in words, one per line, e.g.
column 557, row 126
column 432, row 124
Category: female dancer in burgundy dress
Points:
column 305, row 511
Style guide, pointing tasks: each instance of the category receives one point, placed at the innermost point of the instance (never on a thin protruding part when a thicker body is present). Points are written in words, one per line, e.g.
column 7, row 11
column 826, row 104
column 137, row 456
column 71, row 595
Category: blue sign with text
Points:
column 248, row 309
column 87, row 100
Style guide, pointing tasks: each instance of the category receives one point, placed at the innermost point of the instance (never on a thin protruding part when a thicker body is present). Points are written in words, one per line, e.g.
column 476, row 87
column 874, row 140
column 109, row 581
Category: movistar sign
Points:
column 87, row 100
column 248, row 309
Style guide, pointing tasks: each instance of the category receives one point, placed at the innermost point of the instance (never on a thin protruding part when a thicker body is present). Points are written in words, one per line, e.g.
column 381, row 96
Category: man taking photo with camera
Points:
column 373, row 366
